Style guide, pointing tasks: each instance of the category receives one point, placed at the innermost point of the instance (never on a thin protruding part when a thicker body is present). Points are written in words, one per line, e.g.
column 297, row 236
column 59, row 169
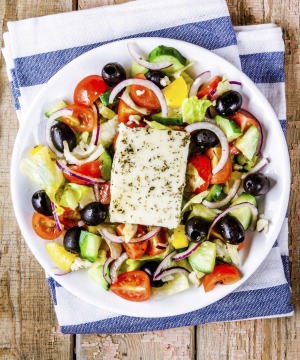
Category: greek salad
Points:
column 150, row 180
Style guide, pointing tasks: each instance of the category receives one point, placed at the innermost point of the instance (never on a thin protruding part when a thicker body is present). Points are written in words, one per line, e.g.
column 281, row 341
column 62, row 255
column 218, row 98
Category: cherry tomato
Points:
column 224, row 174
column 82, row 118
column 133, row 286
column 91, row 168
column 69, row 218
column 124, row 111
column 223, row 274
column 45, row 226
column 209, row 87
column 244, row 120
column 233, row 150
column 89, row 89
column 144, row 97
column 135, row 250
column 104, row 193
column 203, row 166
column 160, row 238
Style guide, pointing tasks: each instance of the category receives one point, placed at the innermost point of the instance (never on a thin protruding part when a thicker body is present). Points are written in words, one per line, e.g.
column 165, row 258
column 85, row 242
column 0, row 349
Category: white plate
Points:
column 273, row 205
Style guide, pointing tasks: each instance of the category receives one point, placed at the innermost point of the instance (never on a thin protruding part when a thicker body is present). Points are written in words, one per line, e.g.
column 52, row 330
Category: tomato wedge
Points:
column 69, row 218
column 203, row 166
column 104, row 193
column 224, row 174
column 209, row 87
column 244, row 120
column 224, row 274
column 124, row 111
column 160, row 238
column 82, row 118
column 45, row 226
column 134, row 250
column 89, row 89
column 91, row 168
column 133, row 286
column 143, row 96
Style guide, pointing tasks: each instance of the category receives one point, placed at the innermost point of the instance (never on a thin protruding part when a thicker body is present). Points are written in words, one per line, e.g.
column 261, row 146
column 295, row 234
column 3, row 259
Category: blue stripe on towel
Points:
column 239, row 305
column 31, row 70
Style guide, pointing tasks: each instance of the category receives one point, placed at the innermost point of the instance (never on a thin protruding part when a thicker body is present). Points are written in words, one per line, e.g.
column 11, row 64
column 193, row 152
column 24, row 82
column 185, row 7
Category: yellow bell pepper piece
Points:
column 63, row 258
column 176, row 92
column 179, row 239
column 34, row 150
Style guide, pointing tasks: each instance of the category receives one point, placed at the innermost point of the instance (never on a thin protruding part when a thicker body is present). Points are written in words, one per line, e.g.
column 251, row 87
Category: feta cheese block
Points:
column 148, row 176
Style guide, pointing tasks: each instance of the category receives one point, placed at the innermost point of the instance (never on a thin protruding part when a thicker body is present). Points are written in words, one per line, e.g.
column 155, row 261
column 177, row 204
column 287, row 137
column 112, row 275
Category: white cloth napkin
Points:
column 35, row 49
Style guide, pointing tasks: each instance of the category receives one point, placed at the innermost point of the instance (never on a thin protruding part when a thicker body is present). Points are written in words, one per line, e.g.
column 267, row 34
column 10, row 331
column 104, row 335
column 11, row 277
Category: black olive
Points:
column 204, row 139
column 61, row 132
column 93, row 214
column 41, row 203
column 196, row 229
column 155, row 76
column 71, row 240
column 113, row 73
column 149, row 268
column 256, row 184
column 231, row 230
column 229, row 103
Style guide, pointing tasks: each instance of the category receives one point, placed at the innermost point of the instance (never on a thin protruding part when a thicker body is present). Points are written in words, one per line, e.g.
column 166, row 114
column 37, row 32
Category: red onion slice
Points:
column 223, row 140
column 65, row 169
column 116, row 266
column 105, row 268
column 56, row 219
column 263, row 162
column 163, row 264
column 138, row 58
column 235, row 83
column 226, row 200
column 72, row 159
column 171, row 271
column 161, row 246
column 231, row 208
column 147, row 236
column 188, row 252
column 111, row 237
column 141, row 82
column 120, row 239
column 200, row 79
column 60, row 272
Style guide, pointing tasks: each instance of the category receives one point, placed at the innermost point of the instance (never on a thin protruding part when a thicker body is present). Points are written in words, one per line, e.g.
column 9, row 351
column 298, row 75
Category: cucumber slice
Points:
column 96, row 274
column 170, row 120
column 106, row 164
column 204, row 212
column 248, row 143
column 244, row 214
column 89, row 244
column 229, row 127
column 204, row 258
column 247, row 164
column 105, row 98
column 60, row 105
column 214, row 193
column 165, row 53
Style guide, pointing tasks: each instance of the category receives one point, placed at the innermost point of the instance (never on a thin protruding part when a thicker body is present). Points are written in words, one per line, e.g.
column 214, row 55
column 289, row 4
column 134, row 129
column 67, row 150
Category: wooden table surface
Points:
column 28, row 326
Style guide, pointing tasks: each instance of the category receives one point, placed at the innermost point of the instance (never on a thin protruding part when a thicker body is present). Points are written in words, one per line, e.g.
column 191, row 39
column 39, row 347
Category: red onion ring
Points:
column 116, row 266
column 141, row 82
column 55, row 216
column 65, row 169
column 223, row 140
column 163, row 263
column 161, row 246
column 235, row 83
column 111, row 237
column 263, row 162
column 171, row 271
column 226, row 200
column 138, row 58
column 199, row 80
column 60, row 272
column 231, row 208
column 105, row 268
column 120, row 239
column 188, row 252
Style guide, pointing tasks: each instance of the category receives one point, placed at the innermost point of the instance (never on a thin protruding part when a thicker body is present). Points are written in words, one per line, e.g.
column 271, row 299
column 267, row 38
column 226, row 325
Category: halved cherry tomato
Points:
column 223, row 274
column 224, row 174
column 160, row 238
column 82, row 118
column 124, row 111
column 233, row 150
column 203, row 166
column 91, row 168
column 89, row 89
column 244, row 120
column 134, row 250
column 45, row 226
column 104, row 193
column 209, row 87
column 69, row 218
column 133, row 286
column 143, row 96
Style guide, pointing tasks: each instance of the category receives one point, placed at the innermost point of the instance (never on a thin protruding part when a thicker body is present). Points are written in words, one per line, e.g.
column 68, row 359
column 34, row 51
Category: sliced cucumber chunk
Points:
column 105, row 98
column 247, row 164
column 229, row 127
column 170, row 120
column 244, row 214
column 204, row 258
column 214, row 193
column 96, row 274
column 248, row 143
column 89, row 244
column 106, row 164
column 165, row 53
column 204, row 212
column 60, row 105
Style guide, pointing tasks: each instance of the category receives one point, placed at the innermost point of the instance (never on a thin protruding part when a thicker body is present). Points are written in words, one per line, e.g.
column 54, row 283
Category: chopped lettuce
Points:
column 194, row 109
column 74, row 195
column 108, row 131
column 196, row 199
column 131, row 264
column 179, row 283
column 223, row 86
column 42, row 170
column 227, row 253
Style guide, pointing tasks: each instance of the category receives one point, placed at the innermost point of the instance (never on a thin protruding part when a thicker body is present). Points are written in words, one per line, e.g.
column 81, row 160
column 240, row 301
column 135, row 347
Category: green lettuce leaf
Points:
column 194, row 109
column 74, row 195
column 179, row 283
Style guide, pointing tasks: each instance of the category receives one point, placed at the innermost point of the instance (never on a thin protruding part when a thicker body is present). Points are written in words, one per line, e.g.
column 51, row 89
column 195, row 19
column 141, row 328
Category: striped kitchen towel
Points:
column 34, row 53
